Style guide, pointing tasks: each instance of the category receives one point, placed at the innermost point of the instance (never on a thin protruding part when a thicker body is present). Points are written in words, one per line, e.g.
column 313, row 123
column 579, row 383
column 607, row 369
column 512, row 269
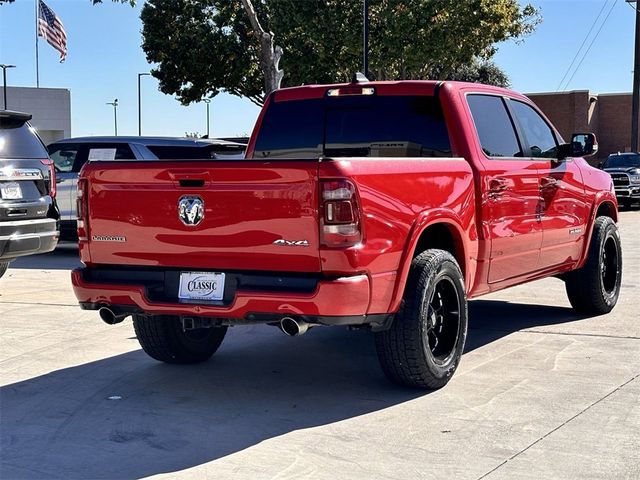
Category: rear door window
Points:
column 19, row 140
column 495, row 128
column 180, row 152
column 110, row 151
column 64, row 155
column 358, row 126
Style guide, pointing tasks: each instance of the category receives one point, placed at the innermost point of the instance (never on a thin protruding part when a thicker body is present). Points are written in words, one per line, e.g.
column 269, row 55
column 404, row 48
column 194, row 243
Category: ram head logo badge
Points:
column 191, row 210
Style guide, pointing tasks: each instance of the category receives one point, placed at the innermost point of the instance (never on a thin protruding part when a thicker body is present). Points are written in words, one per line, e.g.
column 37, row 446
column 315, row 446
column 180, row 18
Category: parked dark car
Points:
column 69, row 155
column 28, row 213
column 624, row 169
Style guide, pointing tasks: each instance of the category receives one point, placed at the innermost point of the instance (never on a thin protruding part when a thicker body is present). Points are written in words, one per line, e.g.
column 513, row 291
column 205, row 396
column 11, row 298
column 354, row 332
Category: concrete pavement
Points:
column 540, row 393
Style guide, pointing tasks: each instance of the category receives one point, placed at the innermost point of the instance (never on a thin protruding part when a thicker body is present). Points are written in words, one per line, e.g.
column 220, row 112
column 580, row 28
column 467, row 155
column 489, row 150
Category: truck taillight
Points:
column 81, row 209
column 52, row 175
column 340, row 223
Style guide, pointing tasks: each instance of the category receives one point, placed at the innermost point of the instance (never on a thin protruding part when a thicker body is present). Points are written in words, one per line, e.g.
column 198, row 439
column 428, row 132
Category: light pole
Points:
column 207, row 101
column 635, row 98
column 365, row 38
column 114, row 104
column 4, row 80
column 139, row 107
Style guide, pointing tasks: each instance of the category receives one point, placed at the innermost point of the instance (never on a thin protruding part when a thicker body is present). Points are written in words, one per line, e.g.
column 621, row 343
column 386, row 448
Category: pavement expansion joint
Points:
column 588, row 407
column 547, row 332
column 40, row 303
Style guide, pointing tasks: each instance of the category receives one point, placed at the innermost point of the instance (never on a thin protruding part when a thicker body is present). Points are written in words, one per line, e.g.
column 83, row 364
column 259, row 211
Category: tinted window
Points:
column 110, row 151
column 622, row 161
column 358, row 126
column 494, row 126
column 180, row 152
column 539, row 135
column 18, row 140
column 63, row 155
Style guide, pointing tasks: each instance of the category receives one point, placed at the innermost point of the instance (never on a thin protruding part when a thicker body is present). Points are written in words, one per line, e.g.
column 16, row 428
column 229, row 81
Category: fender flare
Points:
column 423, row 221
column 600, row 198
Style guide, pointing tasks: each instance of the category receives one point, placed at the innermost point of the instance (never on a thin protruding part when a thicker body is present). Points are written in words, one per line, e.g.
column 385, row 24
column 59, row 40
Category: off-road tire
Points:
column 162, row 338
column 404, row 350
column 3, row 268
column 592, row 289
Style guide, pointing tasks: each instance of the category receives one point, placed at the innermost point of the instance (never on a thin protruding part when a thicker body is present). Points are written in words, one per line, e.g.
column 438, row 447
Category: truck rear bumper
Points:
column 26, row 237
column 338, row 301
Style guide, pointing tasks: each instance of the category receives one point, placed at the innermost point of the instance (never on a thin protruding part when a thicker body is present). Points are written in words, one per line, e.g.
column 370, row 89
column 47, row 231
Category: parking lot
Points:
column 540, row 393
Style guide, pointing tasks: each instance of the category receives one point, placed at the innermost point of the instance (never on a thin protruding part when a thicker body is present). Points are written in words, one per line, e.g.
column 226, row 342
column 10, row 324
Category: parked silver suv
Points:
column 71, row 154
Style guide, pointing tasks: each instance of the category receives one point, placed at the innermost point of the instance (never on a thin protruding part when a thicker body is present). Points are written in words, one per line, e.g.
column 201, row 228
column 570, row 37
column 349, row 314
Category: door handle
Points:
column 190, row 178
column 497, row 185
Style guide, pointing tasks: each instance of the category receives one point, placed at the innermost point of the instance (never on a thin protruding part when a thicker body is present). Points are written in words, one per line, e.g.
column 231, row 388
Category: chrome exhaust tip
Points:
column 292, row 327
column 109, row 317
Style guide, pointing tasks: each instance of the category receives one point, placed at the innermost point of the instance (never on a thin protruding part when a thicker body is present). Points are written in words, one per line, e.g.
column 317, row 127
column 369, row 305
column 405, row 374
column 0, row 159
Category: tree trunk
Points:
column 269, row 52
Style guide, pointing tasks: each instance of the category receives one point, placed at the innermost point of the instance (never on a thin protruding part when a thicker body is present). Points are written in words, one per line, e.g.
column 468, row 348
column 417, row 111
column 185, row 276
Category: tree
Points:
column 202, row 47
column 480, row 71
column 270, row 54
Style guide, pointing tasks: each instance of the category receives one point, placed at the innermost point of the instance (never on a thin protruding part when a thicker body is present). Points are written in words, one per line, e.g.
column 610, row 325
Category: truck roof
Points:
column 398, row 87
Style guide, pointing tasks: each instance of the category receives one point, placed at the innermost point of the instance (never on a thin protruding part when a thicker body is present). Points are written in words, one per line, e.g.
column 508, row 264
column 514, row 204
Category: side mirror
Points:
column 582, row 145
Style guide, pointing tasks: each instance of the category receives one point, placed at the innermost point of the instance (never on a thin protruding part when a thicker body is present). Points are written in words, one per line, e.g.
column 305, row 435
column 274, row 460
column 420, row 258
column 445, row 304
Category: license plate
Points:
column 11, row 191
column 206, row 286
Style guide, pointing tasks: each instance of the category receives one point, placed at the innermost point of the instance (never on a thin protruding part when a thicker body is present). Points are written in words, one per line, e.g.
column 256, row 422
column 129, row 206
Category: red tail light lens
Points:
column 81, row 209
column 340, row 224
column 52, row 175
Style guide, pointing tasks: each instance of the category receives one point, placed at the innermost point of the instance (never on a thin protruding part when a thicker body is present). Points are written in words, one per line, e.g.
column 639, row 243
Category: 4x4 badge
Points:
column 291, row 243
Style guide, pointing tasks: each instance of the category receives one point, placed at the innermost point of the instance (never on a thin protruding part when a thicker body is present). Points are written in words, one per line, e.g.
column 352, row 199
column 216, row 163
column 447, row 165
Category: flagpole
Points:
column 37, row 59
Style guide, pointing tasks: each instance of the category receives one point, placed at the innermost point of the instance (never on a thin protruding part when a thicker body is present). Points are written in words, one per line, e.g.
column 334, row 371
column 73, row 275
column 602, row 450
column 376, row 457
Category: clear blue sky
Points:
column 105, row 56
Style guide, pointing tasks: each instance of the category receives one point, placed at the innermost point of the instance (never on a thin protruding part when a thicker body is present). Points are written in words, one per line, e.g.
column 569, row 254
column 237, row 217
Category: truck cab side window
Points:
column 495, row 129
column 538, row 133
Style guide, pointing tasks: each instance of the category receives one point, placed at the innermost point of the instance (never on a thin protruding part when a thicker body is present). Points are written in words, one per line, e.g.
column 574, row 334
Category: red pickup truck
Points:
column 378, row 205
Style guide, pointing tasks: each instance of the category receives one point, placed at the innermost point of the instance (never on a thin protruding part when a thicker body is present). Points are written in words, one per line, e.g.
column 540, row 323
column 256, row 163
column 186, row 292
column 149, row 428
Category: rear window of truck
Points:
column 354, row 126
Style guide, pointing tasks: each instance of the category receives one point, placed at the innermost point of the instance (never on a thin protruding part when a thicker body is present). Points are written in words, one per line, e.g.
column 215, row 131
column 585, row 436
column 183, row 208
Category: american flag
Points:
column 51, row 29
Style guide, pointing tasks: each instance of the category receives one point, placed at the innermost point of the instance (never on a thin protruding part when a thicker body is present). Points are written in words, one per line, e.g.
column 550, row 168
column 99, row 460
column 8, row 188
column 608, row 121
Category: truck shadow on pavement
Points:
column 490, row 320
column 129, row 417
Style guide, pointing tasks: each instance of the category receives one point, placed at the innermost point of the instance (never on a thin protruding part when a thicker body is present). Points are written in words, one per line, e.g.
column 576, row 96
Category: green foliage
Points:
column 202, row 47
column 479, row 71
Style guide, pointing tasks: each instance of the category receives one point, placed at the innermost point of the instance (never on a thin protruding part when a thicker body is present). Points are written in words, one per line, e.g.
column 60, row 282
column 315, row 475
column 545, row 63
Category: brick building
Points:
column 608, row 115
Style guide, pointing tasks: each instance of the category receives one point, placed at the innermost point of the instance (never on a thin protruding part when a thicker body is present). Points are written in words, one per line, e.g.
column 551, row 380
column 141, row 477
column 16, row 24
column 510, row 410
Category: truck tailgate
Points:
column 257, row 215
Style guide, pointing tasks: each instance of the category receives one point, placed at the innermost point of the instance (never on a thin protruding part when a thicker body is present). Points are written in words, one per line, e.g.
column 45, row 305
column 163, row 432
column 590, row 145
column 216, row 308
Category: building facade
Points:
column 50, row 108
column 608, row 115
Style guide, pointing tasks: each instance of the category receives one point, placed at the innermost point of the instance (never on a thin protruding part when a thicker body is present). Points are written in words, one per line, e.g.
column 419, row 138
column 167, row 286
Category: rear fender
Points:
column 425, row 220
